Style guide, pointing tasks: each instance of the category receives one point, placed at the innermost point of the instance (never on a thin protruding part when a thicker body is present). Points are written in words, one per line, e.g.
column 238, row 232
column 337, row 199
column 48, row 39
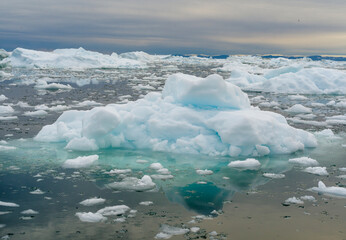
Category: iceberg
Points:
column 329, row 191
column 192, row 115
column 69, row 59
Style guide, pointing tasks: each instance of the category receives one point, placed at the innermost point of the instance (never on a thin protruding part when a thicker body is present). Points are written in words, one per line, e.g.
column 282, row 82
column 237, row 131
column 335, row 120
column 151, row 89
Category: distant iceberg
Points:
column 69, row 59
column 192, row 115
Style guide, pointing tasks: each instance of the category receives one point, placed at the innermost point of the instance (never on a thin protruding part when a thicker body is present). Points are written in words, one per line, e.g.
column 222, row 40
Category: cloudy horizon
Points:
column 180, row 27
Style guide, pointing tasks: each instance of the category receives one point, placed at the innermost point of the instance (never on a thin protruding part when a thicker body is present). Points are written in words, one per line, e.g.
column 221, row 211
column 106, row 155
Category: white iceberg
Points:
column 249, row 163
column 133, row 184
column 169, row 231
column 321, row 171
column 303, row 161
column 192, row 115
column 8, row 204
column 6, row 109
column 298, row 108
column 70, row 59
column 329, row 191
column 29, row 212
column 3, row 97
column 90, row 217
column 114, row 210
column 294, row 200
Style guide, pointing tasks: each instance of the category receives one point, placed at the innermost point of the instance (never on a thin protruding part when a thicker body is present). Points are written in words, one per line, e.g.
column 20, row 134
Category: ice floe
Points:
column 204, row 172
column 3, row 98
column 329, row 191
column 249, row 163
column 92, row 201
column 294, row 200
column 322, row 171
column 192, row 115
column 169, row 231
column 80, row 162
column 90, row 217
column 274, row 175
column 304, row 161
column 134, row 184
column 146, row 203
column 29, row 212
column 298, row 108
column 8, row 204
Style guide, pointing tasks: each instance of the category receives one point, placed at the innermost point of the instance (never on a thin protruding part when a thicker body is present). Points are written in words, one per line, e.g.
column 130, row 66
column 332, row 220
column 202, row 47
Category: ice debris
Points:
column 303, row 161
column 134, row 184
column 204, row 172
column 294, row 200
column 329, row 191
column 90, row 217
column 8, row 204
column 169, row 231
column 250, row 163
column 92, row 201
column 322, row 171
column 29, row 212
column 274, row 175
column 192, row 115
column 80, row 162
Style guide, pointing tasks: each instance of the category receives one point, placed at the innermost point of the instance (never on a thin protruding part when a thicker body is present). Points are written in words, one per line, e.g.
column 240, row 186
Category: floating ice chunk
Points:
column 162, row 176
column 88, row 103
column 274, row 175
column 249, row 163
column 341, row 176
column 2, row 226
column 329, row 191
column 38, row 113
column 163, row 171
column 297, row 97
column 29, row 212
column 80, row 162
column 194, row 229
column 325, row 133
column 146, row 203
column 3, row 97
column 204, row 172
column 322, row 171
column 37, row 191
column 134, row 184
column 8, row 118
column 298, row 108
column 141, row 161
column 156, row 166
column 211, row 91
column 294, row 200
column 308, row 198
column 8, row 204
column 343, row 169
column 4, row 212
column 23, row 104
column 213, row 233
column 92, row 201
column 303, row 161
column 121, row 219
column 6, row 148
column 90, row 217
column 114, row 210
column 169, row 231
column 42, row 84
column 119, row 171
column 6, row 110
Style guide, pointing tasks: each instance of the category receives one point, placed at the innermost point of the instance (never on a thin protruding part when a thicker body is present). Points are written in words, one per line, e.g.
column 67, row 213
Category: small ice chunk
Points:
column 121, row 219
column 6, row 109
column 119, row 171
column 6, row 148
column 343, row 169
column 8, row 204
column 194, row 229
column 38, row 113
column 90, row 217
column 156, row 166
column 325, row 133
column 249, row 163
column 26, row 218
column 341, row 176
column 297, row 97
column 163, row 171
column 4, row 212
column 29, row 212
column 141, row 161
column 134, row 184
column 80, row 162
column 213, row 233
column 308, row 198
column 146, row 203
column 303, row 161
column 114, row 210
column 162, row 176
column 2, row 226
column 204, row 172
column 37, row 191
column 274, row 175
column 3, row 97
column 92, row 201
column 169, row 231
column 298, row 108
column 322, row 171
column 294, row 200
column 329, row 191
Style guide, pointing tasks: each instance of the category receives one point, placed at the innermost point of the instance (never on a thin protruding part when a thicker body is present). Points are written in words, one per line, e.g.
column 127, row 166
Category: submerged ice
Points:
column 191, row 115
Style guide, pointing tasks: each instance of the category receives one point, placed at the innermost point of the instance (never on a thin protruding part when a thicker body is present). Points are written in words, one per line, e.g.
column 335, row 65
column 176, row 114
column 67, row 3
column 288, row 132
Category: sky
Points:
column 289, row 27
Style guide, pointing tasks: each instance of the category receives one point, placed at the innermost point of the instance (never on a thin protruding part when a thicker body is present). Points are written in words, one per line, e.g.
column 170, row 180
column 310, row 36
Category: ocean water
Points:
column 235, row 203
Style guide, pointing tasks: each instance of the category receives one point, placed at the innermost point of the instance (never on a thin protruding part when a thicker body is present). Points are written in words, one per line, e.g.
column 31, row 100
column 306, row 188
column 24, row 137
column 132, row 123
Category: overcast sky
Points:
column 176, row 26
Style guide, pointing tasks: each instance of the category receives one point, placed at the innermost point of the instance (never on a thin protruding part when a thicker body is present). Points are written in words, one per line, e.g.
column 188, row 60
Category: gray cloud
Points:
column 161, row 26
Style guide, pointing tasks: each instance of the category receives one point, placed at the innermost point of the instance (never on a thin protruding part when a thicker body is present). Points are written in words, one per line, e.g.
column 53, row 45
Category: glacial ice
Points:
column 70, row 59
column 29, row 212
column 90, row 217
column 80, row 162
column 294, row 200
column 322, row 171
column 169, row 231
column 249, row 163
column 8, row 204
column 133, row 184
column 192, row 115
column 92, row 201
column 303, row 161
column 3, row 97
column 329, row 191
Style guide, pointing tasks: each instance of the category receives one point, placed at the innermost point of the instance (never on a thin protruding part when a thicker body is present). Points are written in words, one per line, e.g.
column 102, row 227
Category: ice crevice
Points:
column 192, row 115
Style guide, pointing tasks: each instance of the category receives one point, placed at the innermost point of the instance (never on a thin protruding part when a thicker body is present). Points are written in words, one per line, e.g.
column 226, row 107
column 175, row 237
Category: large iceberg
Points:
column 70, row 59
column 191, row 115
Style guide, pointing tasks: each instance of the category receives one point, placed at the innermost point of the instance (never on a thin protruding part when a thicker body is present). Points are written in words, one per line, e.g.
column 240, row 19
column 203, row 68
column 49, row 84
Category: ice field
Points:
column 139, row 146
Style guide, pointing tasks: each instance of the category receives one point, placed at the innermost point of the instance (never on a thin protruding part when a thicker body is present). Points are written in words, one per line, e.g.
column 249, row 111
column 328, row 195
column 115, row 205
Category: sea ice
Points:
column 156, row 166
column 8, row 204
column 322, row 171
column 298, row 108
column 169, row 231
column 294, row 200
column 6, row 110
column 134, row 184
column 204, row 172
column 303, row 161
column 90, row 217
column 146, row 203
column 113, row 210
column 92, row 201
column 38, row 113
column 29, row 212
column 249, row 163
column 329, row 191
column 192, row 115
column 80, row 162
column 3, row 97
column 274, row 175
